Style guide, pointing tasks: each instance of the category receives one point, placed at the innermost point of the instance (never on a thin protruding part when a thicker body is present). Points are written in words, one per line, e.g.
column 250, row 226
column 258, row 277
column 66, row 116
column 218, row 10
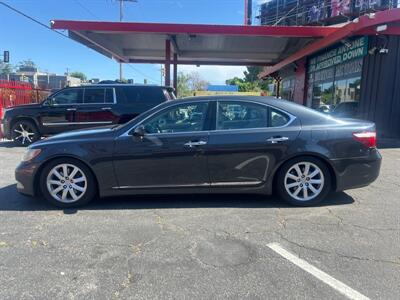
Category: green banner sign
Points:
column 350, row 50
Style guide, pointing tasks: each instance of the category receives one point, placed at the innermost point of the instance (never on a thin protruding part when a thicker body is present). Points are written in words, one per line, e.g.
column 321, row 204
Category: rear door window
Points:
column 94, row 96
column 241, row 115
column 98, row 96
column 247, row 115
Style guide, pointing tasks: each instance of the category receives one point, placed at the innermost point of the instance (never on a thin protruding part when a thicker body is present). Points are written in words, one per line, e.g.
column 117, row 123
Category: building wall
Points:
column 380, row 87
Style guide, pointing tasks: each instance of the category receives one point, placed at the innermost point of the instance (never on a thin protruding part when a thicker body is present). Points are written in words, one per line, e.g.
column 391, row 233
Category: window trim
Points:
column 269, row 107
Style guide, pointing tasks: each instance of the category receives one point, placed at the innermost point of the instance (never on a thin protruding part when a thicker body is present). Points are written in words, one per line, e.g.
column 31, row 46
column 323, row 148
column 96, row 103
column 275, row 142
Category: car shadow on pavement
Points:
column 9, row 144
column 11, row 200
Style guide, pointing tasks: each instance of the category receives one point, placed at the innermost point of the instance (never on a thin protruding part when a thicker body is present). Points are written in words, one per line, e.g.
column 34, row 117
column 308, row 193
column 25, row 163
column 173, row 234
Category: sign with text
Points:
column 350, row 50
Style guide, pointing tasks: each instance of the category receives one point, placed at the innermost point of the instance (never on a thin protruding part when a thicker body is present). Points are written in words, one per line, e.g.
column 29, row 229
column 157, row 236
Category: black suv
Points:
column 81, row 107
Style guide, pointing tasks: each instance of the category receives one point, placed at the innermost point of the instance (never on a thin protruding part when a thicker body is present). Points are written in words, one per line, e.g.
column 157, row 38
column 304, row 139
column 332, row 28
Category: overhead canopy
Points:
column 193, row 44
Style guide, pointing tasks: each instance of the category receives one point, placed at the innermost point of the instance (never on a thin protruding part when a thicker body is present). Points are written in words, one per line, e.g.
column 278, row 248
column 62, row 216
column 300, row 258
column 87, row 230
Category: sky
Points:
column 54, row 53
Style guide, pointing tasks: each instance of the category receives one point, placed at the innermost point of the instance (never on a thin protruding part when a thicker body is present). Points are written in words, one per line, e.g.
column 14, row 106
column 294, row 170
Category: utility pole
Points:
column 121, row 17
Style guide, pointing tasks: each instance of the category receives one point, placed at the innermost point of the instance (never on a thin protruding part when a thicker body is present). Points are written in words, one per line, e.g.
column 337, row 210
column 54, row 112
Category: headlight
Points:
column 31, row 154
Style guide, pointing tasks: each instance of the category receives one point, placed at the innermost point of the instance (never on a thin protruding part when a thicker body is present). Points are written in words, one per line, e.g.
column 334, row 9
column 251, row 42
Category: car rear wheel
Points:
column 24, row 133
column 67, row 183
column 304, row 181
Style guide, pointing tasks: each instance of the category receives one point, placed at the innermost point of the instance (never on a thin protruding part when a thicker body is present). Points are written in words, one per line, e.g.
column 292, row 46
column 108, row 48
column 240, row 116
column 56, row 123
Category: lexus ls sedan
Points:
column 216, row 144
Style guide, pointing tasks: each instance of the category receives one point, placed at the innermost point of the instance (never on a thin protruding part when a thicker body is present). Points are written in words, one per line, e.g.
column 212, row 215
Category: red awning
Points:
column 388, row 22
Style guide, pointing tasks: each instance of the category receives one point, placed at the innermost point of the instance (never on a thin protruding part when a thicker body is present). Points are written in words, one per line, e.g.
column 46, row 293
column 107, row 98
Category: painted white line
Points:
column 329, row 280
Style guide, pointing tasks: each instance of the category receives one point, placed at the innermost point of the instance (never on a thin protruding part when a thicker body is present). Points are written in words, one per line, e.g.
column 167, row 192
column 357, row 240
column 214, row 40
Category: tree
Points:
column 79, row 75
column 197, row 83
column 250, row 82
column 28, row 63
column 5, row 68
column 183, row 85
column 189, row 83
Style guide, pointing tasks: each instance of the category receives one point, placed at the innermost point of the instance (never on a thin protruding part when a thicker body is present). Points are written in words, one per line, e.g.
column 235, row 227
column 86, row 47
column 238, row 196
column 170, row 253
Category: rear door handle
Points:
column 106, row 108
column 71, row 109
column 277, row 139
column 193, row 144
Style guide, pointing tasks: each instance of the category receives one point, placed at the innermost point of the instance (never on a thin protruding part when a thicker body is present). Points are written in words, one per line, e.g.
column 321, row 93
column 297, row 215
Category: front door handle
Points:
column 193, row 144
column 106, row 108
column 71, row 109
column 277, row 139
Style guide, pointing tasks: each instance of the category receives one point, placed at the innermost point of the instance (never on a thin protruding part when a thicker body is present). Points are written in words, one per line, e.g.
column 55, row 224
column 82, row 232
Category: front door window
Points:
column 180, row 118
column 68, row 97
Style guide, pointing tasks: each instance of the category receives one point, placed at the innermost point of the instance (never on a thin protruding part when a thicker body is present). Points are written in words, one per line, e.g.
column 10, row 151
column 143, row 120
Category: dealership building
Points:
column 324, row 58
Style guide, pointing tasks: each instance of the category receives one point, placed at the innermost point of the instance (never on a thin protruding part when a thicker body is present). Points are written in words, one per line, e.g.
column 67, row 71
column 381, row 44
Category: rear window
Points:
column 141, row 95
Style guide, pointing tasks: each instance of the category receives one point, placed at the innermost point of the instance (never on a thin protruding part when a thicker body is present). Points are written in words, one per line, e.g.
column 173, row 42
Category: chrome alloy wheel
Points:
column 24, row 133
column 304, row 181
column 66, row 183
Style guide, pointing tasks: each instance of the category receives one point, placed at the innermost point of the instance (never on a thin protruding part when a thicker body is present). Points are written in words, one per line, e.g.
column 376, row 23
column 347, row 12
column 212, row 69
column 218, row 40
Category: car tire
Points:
column 304, row 181
column 24, row 133
column 74, row 188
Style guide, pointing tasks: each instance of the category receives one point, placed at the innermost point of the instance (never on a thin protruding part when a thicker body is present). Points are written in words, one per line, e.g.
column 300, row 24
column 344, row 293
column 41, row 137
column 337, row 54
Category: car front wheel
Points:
column 24, row 133
column 67, row 183
column 304, row 181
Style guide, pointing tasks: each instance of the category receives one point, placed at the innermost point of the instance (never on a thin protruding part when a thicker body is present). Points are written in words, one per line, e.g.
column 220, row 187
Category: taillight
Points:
column 368, row 138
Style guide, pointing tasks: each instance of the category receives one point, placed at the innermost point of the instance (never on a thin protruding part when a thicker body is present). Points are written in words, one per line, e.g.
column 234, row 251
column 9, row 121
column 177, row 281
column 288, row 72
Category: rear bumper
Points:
column 357, row 172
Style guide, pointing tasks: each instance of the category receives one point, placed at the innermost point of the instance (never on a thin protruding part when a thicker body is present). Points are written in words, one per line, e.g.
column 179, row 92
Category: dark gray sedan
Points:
column 218, row 144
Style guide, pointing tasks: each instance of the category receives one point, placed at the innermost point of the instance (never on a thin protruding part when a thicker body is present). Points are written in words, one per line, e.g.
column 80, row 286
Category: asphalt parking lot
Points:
column 186, row 247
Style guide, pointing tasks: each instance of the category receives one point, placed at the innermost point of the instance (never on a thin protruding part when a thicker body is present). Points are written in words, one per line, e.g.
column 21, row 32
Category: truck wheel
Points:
column 24, row 133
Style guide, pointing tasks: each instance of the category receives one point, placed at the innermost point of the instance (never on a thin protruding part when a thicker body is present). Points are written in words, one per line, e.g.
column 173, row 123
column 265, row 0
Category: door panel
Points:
column 169, row 154
column 56, row 119
column 97, row 108
column 60, row 115
column 245, row 157
column 160, row 161
column 248, row 141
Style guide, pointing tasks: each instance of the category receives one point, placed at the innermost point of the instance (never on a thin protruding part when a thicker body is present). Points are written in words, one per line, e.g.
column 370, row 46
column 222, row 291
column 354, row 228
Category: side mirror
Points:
column 139, row 131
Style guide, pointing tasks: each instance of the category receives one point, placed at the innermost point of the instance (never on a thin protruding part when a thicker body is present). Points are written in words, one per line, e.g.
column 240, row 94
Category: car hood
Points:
column 79, row 135
column 24, row 106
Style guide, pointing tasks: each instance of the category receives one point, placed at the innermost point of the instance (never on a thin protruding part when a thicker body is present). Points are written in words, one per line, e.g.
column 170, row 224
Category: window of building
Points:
column 335, row 85
column 287, row 92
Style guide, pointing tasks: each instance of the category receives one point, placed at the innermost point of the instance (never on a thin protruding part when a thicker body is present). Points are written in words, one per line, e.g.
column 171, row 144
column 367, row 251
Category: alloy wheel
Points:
column 304, row 181
column 24, row 134
column 66, row 183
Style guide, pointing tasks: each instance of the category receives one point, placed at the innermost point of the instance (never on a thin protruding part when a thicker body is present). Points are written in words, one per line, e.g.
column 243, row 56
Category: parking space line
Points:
column 329, row 280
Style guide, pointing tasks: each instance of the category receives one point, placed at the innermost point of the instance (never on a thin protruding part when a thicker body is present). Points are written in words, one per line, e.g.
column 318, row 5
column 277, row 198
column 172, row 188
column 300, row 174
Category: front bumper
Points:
column 25, row 176
column 5, row 129
column 357, row 172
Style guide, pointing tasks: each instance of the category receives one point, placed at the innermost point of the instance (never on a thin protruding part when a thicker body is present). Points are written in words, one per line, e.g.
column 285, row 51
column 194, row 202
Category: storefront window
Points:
column 340, row 91
column 334, row 85
column 354, row 89
column 327, row 93
column 288, row 88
